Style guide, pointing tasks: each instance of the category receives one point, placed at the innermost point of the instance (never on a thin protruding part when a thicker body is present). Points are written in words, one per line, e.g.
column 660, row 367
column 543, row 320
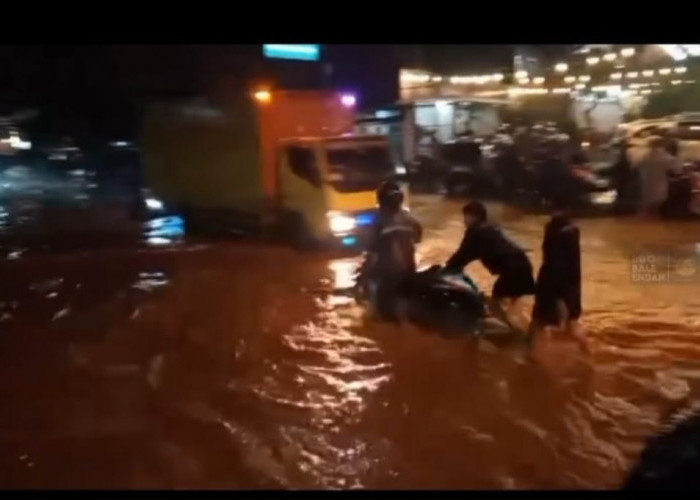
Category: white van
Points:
column 685, row 128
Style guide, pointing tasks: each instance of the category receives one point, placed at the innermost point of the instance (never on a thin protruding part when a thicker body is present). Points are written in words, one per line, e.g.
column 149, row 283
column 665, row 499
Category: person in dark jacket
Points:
column 558, row 289
column 391, row 261
column 500, row 256
column 623, row 176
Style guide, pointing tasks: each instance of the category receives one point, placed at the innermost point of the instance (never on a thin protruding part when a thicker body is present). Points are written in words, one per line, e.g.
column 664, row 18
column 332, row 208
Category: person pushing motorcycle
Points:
column 485, row 242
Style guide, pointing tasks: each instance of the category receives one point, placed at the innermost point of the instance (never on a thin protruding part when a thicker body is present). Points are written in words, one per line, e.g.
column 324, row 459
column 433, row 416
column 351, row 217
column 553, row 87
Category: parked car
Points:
column 684, row 128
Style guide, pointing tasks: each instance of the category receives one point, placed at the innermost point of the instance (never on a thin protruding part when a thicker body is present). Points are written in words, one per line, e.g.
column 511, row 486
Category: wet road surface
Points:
column 229, row 364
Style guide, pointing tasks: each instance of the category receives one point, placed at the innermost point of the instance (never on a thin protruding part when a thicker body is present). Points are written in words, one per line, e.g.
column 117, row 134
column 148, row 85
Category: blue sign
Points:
column 302, row 52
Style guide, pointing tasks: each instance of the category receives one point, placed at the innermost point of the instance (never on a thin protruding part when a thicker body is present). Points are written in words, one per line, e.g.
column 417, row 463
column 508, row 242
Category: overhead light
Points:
column 680, row 69
column 632, row 74
column 646, row 92
column 616, row 76
column 436, row 79
column 665, row 71
column 580, row 86
column 647, row 73
column 262, row 96
column 520, row 75
column 610, row 57
column 561, row 67
column 592, row 61
column 348, row 100
column 538, row 80
column 523, row 81
column 584, row 78
column 412, row 77
column 627, row 52
column 497, row 77
column 561, row 90
column 570, row 79
column 676, row 82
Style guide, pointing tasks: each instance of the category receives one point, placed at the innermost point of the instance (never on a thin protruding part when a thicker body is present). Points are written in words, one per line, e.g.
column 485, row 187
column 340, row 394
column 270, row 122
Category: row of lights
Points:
column 407, row 77
column 476, row 80
column 634, row 88
column 563, row 67
column 610, row 57
column 523, row 78
column 648, row 73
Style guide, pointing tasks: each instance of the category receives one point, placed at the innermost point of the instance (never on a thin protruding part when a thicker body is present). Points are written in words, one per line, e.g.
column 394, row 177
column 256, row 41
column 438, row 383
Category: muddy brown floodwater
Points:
column 237, row 365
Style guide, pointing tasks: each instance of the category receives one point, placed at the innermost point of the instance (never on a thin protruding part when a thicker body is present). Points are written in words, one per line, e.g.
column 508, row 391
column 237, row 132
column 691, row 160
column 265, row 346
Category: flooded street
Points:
column 230, row 364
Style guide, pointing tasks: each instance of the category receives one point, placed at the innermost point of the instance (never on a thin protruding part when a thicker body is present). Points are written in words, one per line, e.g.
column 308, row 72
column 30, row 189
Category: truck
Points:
column 270, row 161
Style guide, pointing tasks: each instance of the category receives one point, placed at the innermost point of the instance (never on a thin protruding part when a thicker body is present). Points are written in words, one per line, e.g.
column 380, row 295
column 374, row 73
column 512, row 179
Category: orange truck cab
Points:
column 283, row 160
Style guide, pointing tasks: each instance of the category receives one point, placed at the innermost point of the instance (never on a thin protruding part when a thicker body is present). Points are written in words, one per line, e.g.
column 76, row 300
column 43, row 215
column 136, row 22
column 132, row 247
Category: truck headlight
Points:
column 340, row 223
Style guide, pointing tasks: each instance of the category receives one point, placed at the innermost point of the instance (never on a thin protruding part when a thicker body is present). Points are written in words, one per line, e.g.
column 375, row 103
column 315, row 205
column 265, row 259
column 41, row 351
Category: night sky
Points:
column 101, row 88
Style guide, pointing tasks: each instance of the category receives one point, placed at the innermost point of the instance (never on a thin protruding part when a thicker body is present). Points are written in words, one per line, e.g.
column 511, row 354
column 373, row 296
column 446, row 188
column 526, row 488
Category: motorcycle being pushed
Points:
column 437, row 300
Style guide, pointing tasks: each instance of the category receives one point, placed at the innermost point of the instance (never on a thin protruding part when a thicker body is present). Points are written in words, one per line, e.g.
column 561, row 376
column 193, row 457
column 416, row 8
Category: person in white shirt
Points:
column 654, row 169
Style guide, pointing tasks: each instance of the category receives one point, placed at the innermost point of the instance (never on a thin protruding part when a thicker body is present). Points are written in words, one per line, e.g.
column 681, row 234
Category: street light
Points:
column 561, row 67
column 627, row 52
column 592, row 61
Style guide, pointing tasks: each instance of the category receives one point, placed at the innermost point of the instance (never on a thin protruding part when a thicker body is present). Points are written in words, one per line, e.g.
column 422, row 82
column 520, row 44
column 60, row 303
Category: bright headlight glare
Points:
column 154, row 204
column 340, row 223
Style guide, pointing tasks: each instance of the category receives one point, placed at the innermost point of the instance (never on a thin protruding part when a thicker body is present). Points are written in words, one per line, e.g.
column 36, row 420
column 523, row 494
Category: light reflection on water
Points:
column 164, row 230
column 251, row 368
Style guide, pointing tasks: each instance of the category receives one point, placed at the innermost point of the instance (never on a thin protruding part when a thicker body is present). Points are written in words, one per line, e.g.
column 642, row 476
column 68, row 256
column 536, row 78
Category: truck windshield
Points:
column 359, row 167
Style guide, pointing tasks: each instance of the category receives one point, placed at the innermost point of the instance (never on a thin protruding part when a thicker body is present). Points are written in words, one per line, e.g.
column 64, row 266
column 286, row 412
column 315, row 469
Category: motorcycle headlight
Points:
column 340, row 223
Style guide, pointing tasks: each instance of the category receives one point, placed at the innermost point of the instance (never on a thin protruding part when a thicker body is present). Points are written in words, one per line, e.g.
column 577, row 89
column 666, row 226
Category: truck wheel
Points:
column 298, row 234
